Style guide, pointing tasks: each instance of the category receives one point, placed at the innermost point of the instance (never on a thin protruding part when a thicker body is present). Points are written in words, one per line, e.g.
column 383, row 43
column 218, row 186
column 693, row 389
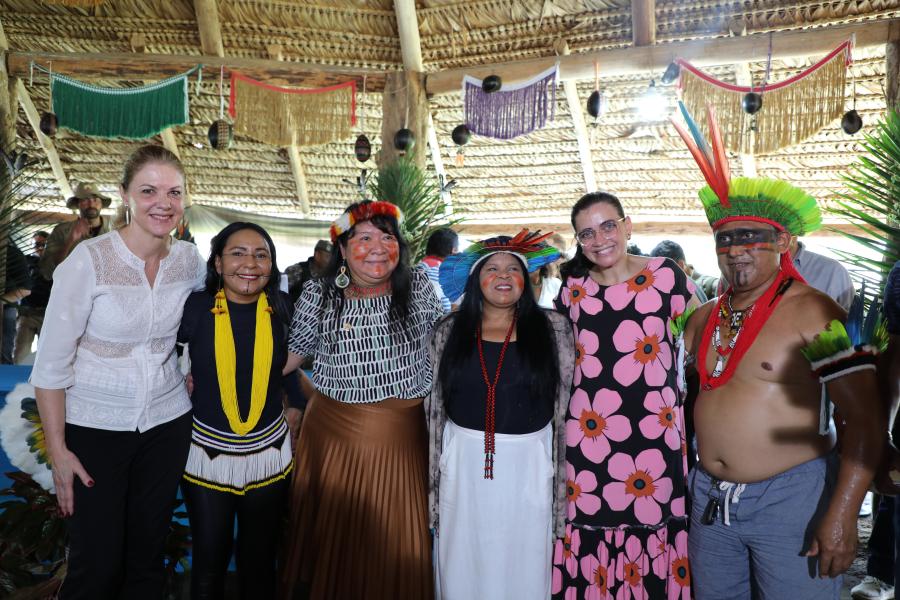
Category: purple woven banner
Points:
column 513, row 110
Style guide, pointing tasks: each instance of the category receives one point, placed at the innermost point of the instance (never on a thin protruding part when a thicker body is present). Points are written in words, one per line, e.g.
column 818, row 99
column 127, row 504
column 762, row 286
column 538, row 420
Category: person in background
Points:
column 673, row 250
column 441, row 244
column 236, row 331
column 502, row 367
column 113, row 403
column 883, row 565
column 88, row 200
column 359, row 509
column 311, row 268
column 31, row 308
column 824, row 274
column 17, row 286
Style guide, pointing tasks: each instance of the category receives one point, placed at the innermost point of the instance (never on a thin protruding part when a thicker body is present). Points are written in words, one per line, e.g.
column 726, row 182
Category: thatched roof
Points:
column 536, row 177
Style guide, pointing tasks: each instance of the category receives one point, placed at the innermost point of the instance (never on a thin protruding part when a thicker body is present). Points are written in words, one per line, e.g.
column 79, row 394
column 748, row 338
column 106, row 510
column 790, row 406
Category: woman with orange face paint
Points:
column 359, row 525
column 496, row 417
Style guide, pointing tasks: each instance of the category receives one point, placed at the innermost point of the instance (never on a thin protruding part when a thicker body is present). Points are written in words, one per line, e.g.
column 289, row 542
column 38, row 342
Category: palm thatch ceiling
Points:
column 535, row 177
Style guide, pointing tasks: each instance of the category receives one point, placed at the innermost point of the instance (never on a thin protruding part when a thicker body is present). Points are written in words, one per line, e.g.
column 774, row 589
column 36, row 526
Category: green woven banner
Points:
column 134, row 113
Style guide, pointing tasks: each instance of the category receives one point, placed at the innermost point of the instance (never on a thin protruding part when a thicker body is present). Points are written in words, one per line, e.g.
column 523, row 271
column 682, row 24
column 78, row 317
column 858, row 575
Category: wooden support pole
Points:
column 411, row 51
column 643, row 22
column 403, row 105
column 34, row 119
column 702, row 53
column 581, row 132
column 125, row 65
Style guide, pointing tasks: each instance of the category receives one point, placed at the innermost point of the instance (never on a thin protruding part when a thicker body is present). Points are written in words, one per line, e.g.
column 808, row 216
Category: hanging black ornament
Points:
column 852, row 122
column 671, row 74
column 220, row 135
column 49, row 124
column 751, row 103
column 404, row 140
column 596, row 104
column 491, row 84
column 461, row 135
column 363, row 148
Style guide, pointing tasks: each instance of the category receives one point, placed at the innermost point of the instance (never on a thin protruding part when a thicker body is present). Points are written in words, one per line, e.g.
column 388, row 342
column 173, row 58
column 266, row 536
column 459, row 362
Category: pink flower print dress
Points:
column 626, row 532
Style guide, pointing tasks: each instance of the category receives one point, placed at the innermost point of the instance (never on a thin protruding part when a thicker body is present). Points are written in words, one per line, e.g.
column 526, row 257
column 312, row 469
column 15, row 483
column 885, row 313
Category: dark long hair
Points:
column 401, row 278
column 534, row 339
column 214, row 280
column 579, row 265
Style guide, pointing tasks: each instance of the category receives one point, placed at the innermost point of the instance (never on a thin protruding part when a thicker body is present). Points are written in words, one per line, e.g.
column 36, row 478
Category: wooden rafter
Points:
column 702, row 53
column 299, row 177
column 207, row 13
column 581, row 133
column 34, row 119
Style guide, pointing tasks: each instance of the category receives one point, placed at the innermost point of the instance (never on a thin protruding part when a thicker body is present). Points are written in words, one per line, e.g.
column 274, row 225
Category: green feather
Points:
column 771, row 199
column 833, row 339
column 678, row 324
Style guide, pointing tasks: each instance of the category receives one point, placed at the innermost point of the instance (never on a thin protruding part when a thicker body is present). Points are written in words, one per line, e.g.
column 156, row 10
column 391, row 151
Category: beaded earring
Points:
column 342, row 280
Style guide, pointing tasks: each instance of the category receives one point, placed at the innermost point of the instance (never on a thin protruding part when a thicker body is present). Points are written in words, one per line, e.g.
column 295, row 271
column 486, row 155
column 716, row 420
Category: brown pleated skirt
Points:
column 359, row 520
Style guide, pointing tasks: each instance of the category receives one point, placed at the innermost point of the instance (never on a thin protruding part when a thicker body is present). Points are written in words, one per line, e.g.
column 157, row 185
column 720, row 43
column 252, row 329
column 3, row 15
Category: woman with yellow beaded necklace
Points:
column 240, row 455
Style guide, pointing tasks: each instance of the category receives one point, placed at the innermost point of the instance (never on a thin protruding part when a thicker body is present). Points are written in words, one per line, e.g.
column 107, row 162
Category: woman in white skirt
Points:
column 503, row 367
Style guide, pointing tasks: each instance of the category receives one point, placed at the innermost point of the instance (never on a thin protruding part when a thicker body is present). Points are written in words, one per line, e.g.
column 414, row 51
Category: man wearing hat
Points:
column 311, row 268
column 88, row 201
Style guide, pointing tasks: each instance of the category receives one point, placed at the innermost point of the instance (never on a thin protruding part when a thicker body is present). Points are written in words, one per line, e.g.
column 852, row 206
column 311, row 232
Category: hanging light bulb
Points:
column 652, row 104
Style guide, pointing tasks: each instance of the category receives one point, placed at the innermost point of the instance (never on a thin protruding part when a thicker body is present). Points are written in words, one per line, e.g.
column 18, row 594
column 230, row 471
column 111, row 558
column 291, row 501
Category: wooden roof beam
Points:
column 581, row 132
column 702, row 53
column 126, row 65
column 34, row 119
column 643, row 22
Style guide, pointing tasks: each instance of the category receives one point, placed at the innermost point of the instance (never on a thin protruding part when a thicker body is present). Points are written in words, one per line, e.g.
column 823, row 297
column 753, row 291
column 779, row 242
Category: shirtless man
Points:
column 761, row 429
column 774, row 505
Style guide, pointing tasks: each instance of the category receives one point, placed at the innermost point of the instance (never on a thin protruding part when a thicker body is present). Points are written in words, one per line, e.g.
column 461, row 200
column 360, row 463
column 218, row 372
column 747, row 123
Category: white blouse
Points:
column 108, row 337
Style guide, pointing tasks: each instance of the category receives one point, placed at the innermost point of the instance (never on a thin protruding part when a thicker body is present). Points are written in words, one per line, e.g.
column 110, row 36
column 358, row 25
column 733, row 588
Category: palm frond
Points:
column 871, row 203
column 419, row 198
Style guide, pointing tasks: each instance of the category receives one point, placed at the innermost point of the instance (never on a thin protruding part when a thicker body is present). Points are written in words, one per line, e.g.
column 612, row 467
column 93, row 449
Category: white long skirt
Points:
column 494, row 539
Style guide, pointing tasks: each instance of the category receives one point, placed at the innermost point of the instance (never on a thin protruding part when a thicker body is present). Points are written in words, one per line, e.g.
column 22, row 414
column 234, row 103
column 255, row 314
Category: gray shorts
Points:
column 755, row 547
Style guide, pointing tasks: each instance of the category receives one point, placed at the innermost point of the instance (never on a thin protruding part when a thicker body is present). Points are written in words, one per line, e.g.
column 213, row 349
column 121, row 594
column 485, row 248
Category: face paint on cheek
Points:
column 359, row 252
column 518, row 280
column 393, row 251
column 487, row 282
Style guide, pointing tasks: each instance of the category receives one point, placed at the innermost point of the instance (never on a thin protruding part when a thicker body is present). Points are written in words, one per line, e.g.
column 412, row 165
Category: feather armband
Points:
column 832, row 354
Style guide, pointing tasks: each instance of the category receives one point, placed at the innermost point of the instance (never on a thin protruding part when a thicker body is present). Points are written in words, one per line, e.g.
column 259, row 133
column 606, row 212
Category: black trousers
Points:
column 260, row 520
column 118, row 530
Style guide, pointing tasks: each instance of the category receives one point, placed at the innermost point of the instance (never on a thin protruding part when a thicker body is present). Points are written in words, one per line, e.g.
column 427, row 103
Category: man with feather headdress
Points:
column 774, row 503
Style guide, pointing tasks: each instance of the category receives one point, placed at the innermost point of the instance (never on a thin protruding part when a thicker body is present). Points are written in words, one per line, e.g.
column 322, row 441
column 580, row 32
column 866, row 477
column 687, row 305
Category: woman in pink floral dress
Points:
column 626, row 533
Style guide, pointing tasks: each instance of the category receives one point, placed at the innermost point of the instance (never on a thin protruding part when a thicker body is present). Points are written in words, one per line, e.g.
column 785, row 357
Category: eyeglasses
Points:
column 260, row 257
column 608, row 230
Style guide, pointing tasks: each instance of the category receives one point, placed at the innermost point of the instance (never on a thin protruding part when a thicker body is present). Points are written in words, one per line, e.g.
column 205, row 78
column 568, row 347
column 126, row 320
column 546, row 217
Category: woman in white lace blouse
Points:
column 114, row 406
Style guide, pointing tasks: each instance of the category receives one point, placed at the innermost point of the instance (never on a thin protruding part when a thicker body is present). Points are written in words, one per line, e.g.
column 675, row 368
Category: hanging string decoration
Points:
column 787, row 113
column 512, row 111
column 135, row 113
column 285, row 116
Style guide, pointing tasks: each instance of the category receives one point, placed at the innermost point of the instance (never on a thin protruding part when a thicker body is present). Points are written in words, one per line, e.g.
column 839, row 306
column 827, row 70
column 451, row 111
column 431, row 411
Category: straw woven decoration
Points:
column 283, row 116
column 792, row 110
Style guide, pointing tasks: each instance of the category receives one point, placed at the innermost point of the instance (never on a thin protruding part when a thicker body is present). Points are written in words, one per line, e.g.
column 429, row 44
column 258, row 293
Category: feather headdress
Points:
column 771, row 201
column 363, row 211
column 527, row 246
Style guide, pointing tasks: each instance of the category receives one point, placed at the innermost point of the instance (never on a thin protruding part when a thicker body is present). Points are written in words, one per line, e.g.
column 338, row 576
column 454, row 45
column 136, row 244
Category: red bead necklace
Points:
column 490, row 403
